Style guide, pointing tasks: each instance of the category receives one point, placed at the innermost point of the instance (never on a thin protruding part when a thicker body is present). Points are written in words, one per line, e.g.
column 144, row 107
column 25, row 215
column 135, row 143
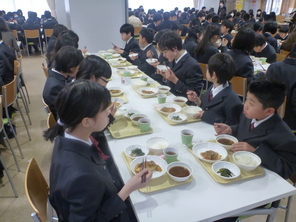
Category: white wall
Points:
column 96, row 22
column 252, row 4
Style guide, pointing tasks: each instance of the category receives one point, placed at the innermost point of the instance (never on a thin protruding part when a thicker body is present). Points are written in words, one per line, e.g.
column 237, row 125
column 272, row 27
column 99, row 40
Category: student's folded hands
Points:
column 242, row 146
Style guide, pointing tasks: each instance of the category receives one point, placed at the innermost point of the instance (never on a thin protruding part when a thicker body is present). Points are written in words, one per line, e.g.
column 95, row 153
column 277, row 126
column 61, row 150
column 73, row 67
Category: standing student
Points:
column 127, row 34
column 220, row 104
column 264, row 49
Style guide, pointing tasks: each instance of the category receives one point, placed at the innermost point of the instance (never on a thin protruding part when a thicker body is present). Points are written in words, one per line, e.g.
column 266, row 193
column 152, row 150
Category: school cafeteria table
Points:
column 203, row 199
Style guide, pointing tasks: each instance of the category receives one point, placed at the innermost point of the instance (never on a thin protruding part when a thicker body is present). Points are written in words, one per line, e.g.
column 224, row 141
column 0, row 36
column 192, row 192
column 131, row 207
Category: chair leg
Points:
column 9, row 178
column 23, row 119
column 27, row 94
column 270, row 217
column 27, row 46
column 23, row 98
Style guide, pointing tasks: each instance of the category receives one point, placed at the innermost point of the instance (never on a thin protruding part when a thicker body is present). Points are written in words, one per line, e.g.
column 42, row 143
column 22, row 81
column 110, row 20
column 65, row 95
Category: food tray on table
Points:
column 157, row 184
column 122, row 96
column 121, row 64
column 125, row 128
column 243, row 176
column 166, row 118
column 138, row 73
column 151, row 85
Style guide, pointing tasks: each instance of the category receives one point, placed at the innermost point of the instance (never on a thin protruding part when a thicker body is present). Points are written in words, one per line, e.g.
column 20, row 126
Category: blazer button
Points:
column 206, row 108
column 104, row 167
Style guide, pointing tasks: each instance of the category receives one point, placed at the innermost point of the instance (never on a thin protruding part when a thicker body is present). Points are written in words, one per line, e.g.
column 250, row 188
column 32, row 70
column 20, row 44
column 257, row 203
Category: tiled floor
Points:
column 18, row 209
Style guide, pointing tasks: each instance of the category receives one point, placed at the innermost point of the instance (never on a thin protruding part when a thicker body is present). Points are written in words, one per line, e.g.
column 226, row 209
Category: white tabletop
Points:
column 203, row 199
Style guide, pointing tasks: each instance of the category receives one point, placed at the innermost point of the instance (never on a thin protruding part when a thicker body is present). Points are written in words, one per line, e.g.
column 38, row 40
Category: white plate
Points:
column 116, row 55
column 181, row 116
column 129, row 149
column 140, row 83
column 132, row 72
column 117, row 100
column 152, row 60
column 156, row 159
column 172, row 105
column 133, row 55
column 230, row 166
column 203, row 147
column 115, row 88
column 154, row 90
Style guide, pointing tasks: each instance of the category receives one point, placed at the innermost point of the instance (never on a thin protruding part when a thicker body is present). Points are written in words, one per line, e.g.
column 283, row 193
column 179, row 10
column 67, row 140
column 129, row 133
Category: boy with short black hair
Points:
column 131, row 46
column 269, row 29
column 262, row 131
column 264, row 49
column 283, row 33
column 219, row 103
column 226, row 28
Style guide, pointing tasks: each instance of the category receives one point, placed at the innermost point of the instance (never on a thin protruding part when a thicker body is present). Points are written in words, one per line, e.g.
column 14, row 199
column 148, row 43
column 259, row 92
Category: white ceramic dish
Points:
column 169, row 105
column 157, row 144
column 140, row 83
column 230, row 166
column 119, row 114
column 116, row 55
column 135, row 116
column 203, row 147
column 132, row 72
column 129, row 149
column 178, row 99
column 247, row 167
column 115, row 63
column 151, row 60
column 117, row 100
column 102, row 51
column 190, row 111
column 162, row 68
column 180, row 115
column 111, row 50
column 226, row 136
column 128, row 113
column 133, row 55
column 133, row 67
column 154, row 90
column 156, row 159
column 180, row 164
column 116, row 93
column 163, row 89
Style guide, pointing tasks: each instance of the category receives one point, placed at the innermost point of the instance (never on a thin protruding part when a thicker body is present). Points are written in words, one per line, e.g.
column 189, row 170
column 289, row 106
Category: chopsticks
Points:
column 262, row 67
column 143, row 177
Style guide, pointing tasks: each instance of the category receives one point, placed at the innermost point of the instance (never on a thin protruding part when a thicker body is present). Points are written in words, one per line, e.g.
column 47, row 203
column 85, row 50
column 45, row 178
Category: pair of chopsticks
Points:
column 143, row 177
column 262, row 67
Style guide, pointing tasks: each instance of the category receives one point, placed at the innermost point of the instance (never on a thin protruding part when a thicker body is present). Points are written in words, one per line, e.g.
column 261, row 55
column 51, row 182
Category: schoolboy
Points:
column 226, row 28
column 184, row 72
column 262, row 131
column 127, row 33
column 283, row 33
column 269, row 29
column 145, row 40
column 263, row 49
column 220, row 103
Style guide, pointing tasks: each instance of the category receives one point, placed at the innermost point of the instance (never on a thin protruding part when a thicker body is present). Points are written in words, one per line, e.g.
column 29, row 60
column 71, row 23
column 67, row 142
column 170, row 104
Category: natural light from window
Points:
column 167, row 5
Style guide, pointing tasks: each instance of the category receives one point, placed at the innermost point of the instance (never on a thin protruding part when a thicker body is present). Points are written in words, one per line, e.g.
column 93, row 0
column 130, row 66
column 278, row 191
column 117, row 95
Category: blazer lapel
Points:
column 180, row 63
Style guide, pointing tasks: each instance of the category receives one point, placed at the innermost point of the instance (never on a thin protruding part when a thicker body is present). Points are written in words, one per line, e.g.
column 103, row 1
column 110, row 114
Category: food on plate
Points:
column 147, row 92
column 176, row 118
column 168, row 109
column 159, row 146
column 117, row 104
column 179, row 100
column 163, row 88
column 137, row 152
column 226, row 141
column 137, row 118
column 210, row 155
column 121, row 60
column 114, row 91
column 179, row 171
column 151, row 165
column 130, row 114
column 245, row 159
column 224, row 172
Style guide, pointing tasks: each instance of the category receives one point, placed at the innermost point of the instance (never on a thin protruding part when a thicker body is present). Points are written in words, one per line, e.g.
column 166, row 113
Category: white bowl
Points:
column 180, row 100
column 107, row 54
column 118, row 114
column 180, row 115
column 137, row 116
column 168, row 105
column 102, row 51
column 252, row 160
column 120, row 91
column 151, row 60
column 163, row 89
column 162, row 68
column 119, row 101
column 132, row 72
column 157, row 144
column 140, row 83
column 230, row 166
column 120, row 59
column 133, row 55
column 120, row 69
column 133, row 67
column 111, row 50
column 128, row 113
column 160, row 162
column 129, row 149
column 142, row 91
column 179, row 164
column 115, row 63
column 116, row 55
column 228, row 137
column 203, row 147
column 190, row 111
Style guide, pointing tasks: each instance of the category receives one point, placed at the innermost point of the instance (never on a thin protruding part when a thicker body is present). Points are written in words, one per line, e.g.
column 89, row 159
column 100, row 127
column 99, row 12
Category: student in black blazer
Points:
column 262, row 131
column 269, row 29
column 156, row 21
column 131, row 46
column 184, row 73
column 264, row 49
column 192, row 39
column 166, row 23
column 226, row 29
column 220, row 104
column 7, row 57
column 81, row 185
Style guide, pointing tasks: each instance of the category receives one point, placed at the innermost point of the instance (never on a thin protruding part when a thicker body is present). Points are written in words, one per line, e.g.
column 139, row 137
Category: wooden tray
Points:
column 136, row 75
column 151, row 85
column 122, row 96
column 157, row 184
column 125, row 128
column 165, row 117
column 244, row 175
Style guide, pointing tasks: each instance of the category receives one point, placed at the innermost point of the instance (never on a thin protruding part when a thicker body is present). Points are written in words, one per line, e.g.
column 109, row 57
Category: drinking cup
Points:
column 144, row 124
column 144, row 78
column 161, row 98
column 186, row 137
column 170, row 154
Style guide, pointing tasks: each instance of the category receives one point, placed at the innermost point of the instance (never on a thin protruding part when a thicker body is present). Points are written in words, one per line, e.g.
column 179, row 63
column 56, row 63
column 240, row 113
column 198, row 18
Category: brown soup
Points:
column 144, row 121
column 187, row 134
column 226, row 142
column 163, row 88
column 137, row 118
column 170, row 153
column 179, row 100
column 179, row 171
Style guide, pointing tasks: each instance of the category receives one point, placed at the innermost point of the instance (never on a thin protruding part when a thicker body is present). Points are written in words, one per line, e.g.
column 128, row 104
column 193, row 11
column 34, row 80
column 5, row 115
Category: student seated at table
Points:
column 81, row 185
column 57, row 29
column 283, row 33
column 258, row 27
column 131, row 46
column 263, row 49
column 262, row 131
column 66, row 62
column 184, row 73
column 156, row 21
column 269, row 29
column 145, row 41
column 287, row 45
column 226, row 29
column 220, row 104
column 194, row 36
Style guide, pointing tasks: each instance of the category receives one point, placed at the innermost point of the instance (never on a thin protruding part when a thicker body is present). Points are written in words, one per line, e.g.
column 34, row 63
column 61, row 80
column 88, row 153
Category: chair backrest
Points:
column 9, row 93
column 32, row 33
column 284, row 52
column 16, row 68
column 203, row 67
column 280, row 18
column 137, row 30
column 239, row 85
column 280, row 57
column 46, row 107
column 15, row 33
column 282, row 109
column 187, row 25
column 233, row 34
column 48, row 32
column 45, row 70
column 36, row 189
column 51, row 121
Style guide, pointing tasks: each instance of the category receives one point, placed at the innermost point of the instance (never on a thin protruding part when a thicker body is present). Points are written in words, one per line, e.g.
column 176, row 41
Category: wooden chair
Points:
column 280, row 57
column 284, row 52
column 233, row 34
column 37, row 189
column 46, row 107
column 32, row 34
column 45, row 70
column 47, row 34
column 204, row 68
column 187, row 25
column 51, row 121
column 20, row 60
column 137, row 31
column 282, row 109
column 239, row 85
column 15, row 34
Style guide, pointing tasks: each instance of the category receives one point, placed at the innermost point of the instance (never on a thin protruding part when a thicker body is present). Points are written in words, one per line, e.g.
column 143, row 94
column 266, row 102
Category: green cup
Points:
column 263, row 60
column 126, row 73
column 161, row 98
column 144, row 78
column 144, row 124
column 186, row 137
column 170, row 154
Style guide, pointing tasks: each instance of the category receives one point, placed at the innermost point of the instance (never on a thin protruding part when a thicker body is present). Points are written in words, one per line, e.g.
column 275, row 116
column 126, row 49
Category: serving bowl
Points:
column 119, row 102
column 140, row 83
column 200, row 148
column 151, row 60
column 116, row 55
column 133, row 67
column 115, row 62
column 111, row 50
column 119, row 113
column 115, row 91
column 180, row 100
column 226, row 165
column 226, row 140
column 246, row 161
column 143, row 90
column 157, row 144
column 132, row 72
column 128, row 113
column 129, row 149
column 177, row 117
column 135, row 118
column 168, row 105
column 163, row 89
column 177, row 173
column 190, row 111
column 162, row 68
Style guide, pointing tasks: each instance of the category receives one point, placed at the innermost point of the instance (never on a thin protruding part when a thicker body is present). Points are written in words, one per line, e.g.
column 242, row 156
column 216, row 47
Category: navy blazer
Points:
column 274, row 142
column 268, row 52
column 81, row 187
column 131, row 46
column 225, row 107
column 189, row 74
column 285, row 71
column 271, row 40
column 210, row 51
column 190, row 46
column 7, row 57
column 229, row 37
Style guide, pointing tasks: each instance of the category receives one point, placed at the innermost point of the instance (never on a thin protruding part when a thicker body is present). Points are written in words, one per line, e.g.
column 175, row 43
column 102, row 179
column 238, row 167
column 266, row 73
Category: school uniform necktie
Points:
column 210, row 95
column 252, row 126
column 96, row 144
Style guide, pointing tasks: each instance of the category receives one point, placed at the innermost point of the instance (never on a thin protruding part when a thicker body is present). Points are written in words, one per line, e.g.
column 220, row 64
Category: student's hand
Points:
column 170, row 75
column 84, row 50
column 222, row 128
column 118, row 50
column 224, row 42
column 133, row 57
column 113, row 109
column 242, row 146
column 192, row 96
column 135, row 182
column 149, row 54
column 198, row 115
